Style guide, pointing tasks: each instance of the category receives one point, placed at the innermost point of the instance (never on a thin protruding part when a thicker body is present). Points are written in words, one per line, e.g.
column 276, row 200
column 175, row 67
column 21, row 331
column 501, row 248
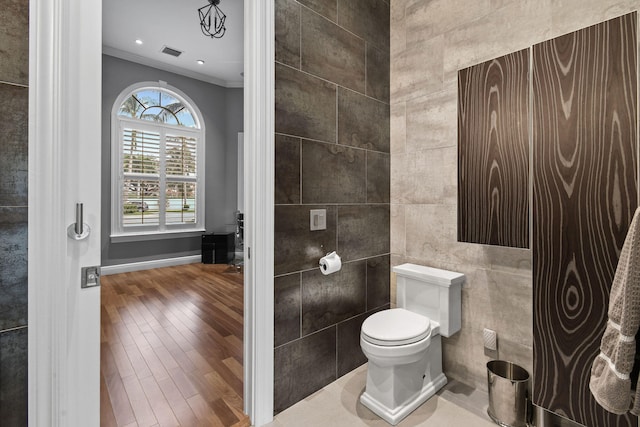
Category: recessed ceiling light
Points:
column 200, row 62
column 138, row 41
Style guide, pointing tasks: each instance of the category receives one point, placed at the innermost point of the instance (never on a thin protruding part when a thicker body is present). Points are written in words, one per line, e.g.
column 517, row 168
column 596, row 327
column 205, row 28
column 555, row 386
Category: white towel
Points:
column 610, row 380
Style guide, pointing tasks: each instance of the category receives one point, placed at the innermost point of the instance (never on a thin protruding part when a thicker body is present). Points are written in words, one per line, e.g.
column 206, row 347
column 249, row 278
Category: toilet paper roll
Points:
column 330, row 263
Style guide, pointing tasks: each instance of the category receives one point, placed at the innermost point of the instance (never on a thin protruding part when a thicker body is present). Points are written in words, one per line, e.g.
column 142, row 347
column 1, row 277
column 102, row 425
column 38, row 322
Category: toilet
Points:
column 404, row 345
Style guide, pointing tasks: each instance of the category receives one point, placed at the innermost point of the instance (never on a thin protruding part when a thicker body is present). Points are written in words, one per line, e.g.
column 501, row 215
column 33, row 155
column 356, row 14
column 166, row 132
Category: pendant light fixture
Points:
column 211, row 14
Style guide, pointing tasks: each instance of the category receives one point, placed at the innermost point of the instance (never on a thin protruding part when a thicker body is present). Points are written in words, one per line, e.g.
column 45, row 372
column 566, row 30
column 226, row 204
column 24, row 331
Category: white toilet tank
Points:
column 431, row 292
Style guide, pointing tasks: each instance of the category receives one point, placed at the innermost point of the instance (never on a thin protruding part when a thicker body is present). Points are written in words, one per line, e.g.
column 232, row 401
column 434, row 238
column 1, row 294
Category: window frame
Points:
column 120, row 233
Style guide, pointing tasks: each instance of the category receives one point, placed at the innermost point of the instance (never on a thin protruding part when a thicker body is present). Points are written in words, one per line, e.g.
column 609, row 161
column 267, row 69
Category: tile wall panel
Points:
column 305, row 105
column 287, row 179
column 14, row 143
column 378, row 73
column 14, row 42
column 427, row 19
column 297, row 248
column 398, row 128
column 348, row 343
column 428, row 120
column 13, row 265
column 362, row 121
column 413, row 183
column 332, row 152
column 378, row 175
column 378, row 271
column 363, row 231
column 303, row 366
column 368, row 19
column 417, row 70
column 397, row 229
column 13, row 377
column 326, row 8
column 287, row 28
column 350, row 354
column 287, row 308
column 565, row 20
column 510, row 27
column 330, row 299
column 585, row 194
column 330, row 52
column 333, row 173
column 431, row 237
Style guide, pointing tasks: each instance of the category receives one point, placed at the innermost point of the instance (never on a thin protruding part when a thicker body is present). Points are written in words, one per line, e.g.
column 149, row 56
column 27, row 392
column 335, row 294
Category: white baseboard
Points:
column 148, row 265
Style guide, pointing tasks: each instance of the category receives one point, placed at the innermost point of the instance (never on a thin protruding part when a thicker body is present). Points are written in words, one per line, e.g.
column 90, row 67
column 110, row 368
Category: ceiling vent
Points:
column 171, row 51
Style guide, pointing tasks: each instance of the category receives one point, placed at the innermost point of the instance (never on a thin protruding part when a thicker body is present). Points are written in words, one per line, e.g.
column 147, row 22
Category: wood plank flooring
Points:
column 171, row 347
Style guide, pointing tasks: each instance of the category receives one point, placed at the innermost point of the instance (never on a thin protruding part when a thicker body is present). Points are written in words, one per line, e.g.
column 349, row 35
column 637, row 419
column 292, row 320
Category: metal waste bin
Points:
column 508, row 394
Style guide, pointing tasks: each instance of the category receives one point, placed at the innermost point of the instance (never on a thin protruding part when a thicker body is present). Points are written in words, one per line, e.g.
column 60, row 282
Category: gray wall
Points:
column 222, row 109
column 332, row 152
column 14, row 145
column 235, row 122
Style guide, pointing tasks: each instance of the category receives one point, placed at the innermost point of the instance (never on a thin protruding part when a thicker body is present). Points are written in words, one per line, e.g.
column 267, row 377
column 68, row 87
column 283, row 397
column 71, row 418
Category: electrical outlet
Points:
column 490, row 339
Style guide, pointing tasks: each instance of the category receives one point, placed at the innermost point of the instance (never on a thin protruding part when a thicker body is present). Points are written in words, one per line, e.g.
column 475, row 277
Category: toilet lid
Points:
column 396, row 326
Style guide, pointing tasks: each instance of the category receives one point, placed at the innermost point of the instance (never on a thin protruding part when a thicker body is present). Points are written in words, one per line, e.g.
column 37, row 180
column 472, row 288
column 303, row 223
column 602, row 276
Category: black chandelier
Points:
column 206, row 12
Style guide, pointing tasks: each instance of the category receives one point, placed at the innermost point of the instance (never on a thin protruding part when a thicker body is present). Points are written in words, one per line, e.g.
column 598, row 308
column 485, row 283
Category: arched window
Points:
column 157, row 163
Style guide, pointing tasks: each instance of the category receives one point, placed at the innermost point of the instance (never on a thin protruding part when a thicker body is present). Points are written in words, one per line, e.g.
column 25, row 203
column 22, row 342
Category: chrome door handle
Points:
column 78, row 230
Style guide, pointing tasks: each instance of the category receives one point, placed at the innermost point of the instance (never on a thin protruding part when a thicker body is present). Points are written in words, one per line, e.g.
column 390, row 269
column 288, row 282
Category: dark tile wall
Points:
column 332, row 152
column 330, row 52
column 14, row 95
column 333, row 173
column 361, row 121
column 13, row 267
column 13, row 377
column 14, row 41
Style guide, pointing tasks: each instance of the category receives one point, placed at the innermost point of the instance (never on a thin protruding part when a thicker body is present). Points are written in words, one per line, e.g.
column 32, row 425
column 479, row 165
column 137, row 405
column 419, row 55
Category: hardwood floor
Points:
column 171, row 347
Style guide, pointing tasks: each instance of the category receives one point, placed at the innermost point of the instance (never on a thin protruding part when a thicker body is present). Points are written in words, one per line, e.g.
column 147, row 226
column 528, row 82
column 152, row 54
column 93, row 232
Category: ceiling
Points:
column 175, row 24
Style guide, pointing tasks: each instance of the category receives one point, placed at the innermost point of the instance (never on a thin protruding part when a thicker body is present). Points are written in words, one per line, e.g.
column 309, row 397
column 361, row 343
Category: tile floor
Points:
column 338, row 405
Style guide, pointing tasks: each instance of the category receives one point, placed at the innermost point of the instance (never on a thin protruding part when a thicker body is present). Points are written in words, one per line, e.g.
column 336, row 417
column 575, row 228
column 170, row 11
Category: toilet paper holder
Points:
column 330, row 263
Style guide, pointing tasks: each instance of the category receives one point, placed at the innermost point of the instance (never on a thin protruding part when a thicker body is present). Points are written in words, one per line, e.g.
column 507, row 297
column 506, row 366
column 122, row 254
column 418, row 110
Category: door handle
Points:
column 78, row 230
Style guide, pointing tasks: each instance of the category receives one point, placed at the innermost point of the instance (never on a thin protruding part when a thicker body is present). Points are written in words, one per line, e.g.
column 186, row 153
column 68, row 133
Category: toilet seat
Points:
column 395, row 327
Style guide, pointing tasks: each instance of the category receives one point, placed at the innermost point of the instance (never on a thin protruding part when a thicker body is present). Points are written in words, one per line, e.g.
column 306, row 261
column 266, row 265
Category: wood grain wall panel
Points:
column 584, row 195
column 493, row 160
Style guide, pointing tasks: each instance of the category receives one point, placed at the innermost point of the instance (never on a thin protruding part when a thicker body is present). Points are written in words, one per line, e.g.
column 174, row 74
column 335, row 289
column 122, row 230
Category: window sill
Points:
column 140, row 237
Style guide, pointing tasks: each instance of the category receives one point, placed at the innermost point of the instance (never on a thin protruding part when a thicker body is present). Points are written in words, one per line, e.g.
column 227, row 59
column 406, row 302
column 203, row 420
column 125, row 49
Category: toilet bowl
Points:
column 404, row 346
column 395, row 336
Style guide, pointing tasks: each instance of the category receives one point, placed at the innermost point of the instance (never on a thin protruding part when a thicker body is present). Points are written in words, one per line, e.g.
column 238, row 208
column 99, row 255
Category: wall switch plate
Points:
column 318, row 219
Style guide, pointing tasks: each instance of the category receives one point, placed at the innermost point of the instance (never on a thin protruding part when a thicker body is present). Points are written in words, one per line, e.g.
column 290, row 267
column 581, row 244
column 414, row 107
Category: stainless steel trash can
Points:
column 508, row 394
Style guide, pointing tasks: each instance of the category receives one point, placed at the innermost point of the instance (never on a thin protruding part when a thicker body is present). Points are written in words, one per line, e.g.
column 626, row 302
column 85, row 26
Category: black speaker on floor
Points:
column 208, row 249
column 218, row 248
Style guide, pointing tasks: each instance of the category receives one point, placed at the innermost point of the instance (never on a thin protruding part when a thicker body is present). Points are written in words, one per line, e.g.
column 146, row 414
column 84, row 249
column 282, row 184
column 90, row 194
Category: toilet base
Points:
column 395, row 389
column 394, row 415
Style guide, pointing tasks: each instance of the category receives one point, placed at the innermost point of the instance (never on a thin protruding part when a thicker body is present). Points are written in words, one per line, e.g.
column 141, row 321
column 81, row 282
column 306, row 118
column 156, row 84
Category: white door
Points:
column 65, row 45
column 64, row 169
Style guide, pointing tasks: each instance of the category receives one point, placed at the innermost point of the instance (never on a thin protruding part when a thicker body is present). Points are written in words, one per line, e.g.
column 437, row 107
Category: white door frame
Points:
column 259, row 154
column 64, row 132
